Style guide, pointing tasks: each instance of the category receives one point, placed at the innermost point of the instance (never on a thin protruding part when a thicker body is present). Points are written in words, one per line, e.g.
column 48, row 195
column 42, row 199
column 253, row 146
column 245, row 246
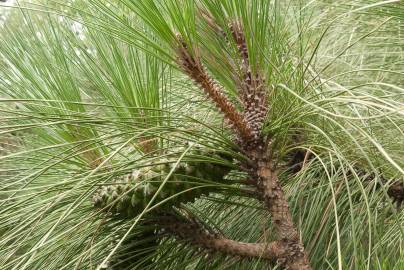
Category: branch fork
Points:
column 247, row 125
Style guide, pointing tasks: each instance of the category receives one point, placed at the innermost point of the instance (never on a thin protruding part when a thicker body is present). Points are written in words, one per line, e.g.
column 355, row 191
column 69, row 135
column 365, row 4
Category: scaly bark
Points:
column 248, row 127
column 193, row 233
column 252, row 90
column 274, row 198
column 193, row 67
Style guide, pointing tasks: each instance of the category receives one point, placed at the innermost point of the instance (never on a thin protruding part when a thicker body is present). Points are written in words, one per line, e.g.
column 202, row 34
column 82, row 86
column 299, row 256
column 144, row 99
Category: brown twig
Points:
column 193, row 67
column 251, row 86
column 194, row 233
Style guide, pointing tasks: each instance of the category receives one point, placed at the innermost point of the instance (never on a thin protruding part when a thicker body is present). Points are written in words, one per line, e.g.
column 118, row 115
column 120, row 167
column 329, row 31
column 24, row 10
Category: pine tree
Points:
column 203, row 134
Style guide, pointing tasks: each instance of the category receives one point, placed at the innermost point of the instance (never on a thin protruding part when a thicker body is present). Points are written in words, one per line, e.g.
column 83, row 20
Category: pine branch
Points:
column 193, row 233
column 128, row 195
column 253, row 96
column 252, row 90
column 193, row 67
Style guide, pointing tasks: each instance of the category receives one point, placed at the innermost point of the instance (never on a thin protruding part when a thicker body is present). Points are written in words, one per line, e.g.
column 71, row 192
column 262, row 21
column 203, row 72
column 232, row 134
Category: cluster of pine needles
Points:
column 139, row 134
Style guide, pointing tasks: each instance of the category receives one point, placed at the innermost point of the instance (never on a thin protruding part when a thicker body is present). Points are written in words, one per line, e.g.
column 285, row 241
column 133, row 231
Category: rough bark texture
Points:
column 274, row 198
column 252, row 85
column 195, row 234
column 193, row 67
column 255, row 107
column 288, row 249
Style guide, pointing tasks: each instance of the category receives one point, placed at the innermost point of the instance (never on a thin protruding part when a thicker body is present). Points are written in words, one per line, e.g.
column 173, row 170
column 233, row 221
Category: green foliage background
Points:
column 83, row 82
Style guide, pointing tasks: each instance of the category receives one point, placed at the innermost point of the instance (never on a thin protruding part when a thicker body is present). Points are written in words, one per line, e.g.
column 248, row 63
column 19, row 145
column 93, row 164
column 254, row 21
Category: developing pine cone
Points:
column 128, row 196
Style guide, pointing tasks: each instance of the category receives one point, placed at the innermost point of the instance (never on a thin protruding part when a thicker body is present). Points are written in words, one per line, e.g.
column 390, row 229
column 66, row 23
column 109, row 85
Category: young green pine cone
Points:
column 127, row 196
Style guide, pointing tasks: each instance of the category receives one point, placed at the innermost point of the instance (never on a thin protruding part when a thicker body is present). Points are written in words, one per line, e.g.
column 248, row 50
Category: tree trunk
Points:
column 273, row 196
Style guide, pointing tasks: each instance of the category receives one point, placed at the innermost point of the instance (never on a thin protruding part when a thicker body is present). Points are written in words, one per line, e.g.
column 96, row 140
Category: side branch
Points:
column 253, row 92
column 193, row 67
column 195, row 234
column 251, row 86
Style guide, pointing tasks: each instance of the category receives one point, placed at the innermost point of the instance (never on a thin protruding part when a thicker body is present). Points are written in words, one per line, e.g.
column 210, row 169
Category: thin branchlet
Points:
column 193, row 67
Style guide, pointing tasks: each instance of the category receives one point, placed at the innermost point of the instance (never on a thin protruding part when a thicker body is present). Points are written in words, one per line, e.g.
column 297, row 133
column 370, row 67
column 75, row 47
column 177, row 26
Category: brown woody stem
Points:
column 251, row 86
column 193, row 67
column 195, row 234
column 288, row 249
column 274, row 198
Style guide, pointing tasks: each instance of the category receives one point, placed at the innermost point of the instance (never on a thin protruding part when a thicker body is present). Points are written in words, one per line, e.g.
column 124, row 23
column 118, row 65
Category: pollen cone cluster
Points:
column 129, row 195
